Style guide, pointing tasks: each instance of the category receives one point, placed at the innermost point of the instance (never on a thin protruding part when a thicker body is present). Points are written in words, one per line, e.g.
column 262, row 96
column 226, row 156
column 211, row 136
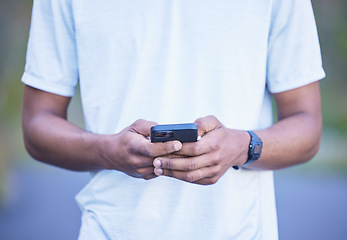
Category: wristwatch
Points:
column 254, row 149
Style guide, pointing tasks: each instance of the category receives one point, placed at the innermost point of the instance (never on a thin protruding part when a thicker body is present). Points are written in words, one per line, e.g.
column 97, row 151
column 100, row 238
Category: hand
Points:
column 131, row 152
column 209, row 158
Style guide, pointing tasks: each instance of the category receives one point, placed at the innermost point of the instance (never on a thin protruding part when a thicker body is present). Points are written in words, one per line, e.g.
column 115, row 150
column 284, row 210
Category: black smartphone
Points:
column 183, row 132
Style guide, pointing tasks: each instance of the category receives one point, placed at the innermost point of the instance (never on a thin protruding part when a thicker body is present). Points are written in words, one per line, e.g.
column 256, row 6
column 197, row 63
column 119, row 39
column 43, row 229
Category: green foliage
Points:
column 14, row 29
column 331, row 17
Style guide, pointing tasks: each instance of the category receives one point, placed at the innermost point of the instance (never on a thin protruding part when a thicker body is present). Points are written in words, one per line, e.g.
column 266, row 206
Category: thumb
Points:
column 142, row 127
column 207, row 124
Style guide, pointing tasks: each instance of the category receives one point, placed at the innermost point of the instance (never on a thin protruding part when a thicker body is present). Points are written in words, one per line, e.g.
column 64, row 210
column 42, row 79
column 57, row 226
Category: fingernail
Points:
column 157, row 163
column 158, row 171
column 177, row 146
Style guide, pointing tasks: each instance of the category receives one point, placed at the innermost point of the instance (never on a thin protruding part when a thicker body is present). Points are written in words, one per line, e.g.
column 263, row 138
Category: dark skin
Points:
column 50, row 138
column 294, row 139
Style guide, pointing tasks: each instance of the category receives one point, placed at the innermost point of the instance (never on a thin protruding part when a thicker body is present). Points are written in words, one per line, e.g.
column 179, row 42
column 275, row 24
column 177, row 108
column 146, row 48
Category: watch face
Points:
column 257, row 148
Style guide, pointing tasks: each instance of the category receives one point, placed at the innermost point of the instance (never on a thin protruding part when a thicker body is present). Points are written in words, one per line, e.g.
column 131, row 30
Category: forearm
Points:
column 53, row 140
column 50, row 138
column 290, row 141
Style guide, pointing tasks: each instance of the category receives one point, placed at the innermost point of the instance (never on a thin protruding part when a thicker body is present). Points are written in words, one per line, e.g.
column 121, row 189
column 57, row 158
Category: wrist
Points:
column 103, row 145
column 246, row 139
column 243, row 141
column 87, row 151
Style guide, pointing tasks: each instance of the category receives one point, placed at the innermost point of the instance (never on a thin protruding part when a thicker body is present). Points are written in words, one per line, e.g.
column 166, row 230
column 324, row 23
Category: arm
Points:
column 50, row 138
column 294, row 139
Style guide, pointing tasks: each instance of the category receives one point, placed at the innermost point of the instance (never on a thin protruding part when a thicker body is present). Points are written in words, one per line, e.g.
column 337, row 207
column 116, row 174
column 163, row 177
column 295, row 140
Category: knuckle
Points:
column 168, row 164
column 142, row 122
column 214, row 146
column 198, row 121
column 138, row 122
column 196, row 149
column 216, row 159
column 212, row 180
column 211, row 117
column 170, row 173
column 216, row 170
column 192, row 165
column 139, row 171
column 189, row 177
column 135, row 162
column 131, row 161
column 149, row 151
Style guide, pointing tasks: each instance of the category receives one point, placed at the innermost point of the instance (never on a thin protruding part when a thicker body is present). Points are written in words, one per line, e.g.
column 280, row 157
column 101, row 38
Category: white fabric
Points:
column 173, row 61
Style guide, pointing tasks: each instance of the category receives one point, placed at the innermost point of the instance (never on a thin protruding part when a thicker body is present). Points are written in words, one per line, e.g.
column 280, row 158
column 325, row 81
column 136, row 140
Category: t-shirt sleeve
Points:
column 51, row 61
column 294, row 57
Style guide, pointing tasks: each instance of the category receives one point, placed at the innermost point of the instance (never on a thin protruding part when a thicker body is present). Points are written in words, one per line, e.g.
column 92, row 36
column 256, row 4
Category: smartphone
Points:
column 183, row 132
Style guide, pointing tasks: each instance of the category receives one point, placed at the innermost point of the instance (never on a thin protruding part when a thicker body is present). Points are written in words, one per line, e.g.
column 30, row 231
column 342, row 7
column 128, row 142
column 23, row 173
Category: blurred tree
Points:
column 14, row 29
column 331, row 17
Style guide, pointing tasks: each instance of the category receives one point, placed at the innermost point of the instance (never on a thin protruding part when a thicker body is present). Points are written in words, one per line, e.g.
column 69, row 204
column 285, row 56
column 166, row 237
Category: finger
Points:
column 139, row 161
column 208, row 181
column 185, row 164
column 205, row 145
column 173, row 155
column 207, row 124
column 149, row 177
column 158, row 149
column 191, row 176
column 144, row 171
column 143, row 127
column 144, row 147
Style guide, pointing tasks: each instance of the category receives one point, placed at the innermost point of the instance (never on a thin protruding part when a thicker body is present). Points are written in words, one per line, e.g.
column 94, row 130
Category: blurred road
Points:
column 43, row 207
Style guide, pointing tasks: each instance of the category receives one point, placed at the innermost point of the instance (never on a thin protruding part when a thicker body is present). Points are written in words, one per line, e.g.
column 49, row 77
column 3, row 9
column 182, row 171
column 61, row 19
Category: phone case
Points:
column 184, row 132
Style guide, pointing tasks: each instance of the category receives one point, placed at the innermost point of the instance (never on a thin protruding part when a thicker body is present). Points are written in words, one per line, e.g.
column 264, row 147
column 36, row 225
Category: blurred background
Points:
column 37, row 201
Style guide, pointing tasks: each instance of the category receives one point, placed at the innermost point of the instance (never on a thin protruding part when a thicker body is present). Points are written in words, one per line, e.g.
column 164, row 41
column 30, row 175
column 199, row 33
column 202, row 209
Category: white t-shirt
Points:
column 173, row 61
